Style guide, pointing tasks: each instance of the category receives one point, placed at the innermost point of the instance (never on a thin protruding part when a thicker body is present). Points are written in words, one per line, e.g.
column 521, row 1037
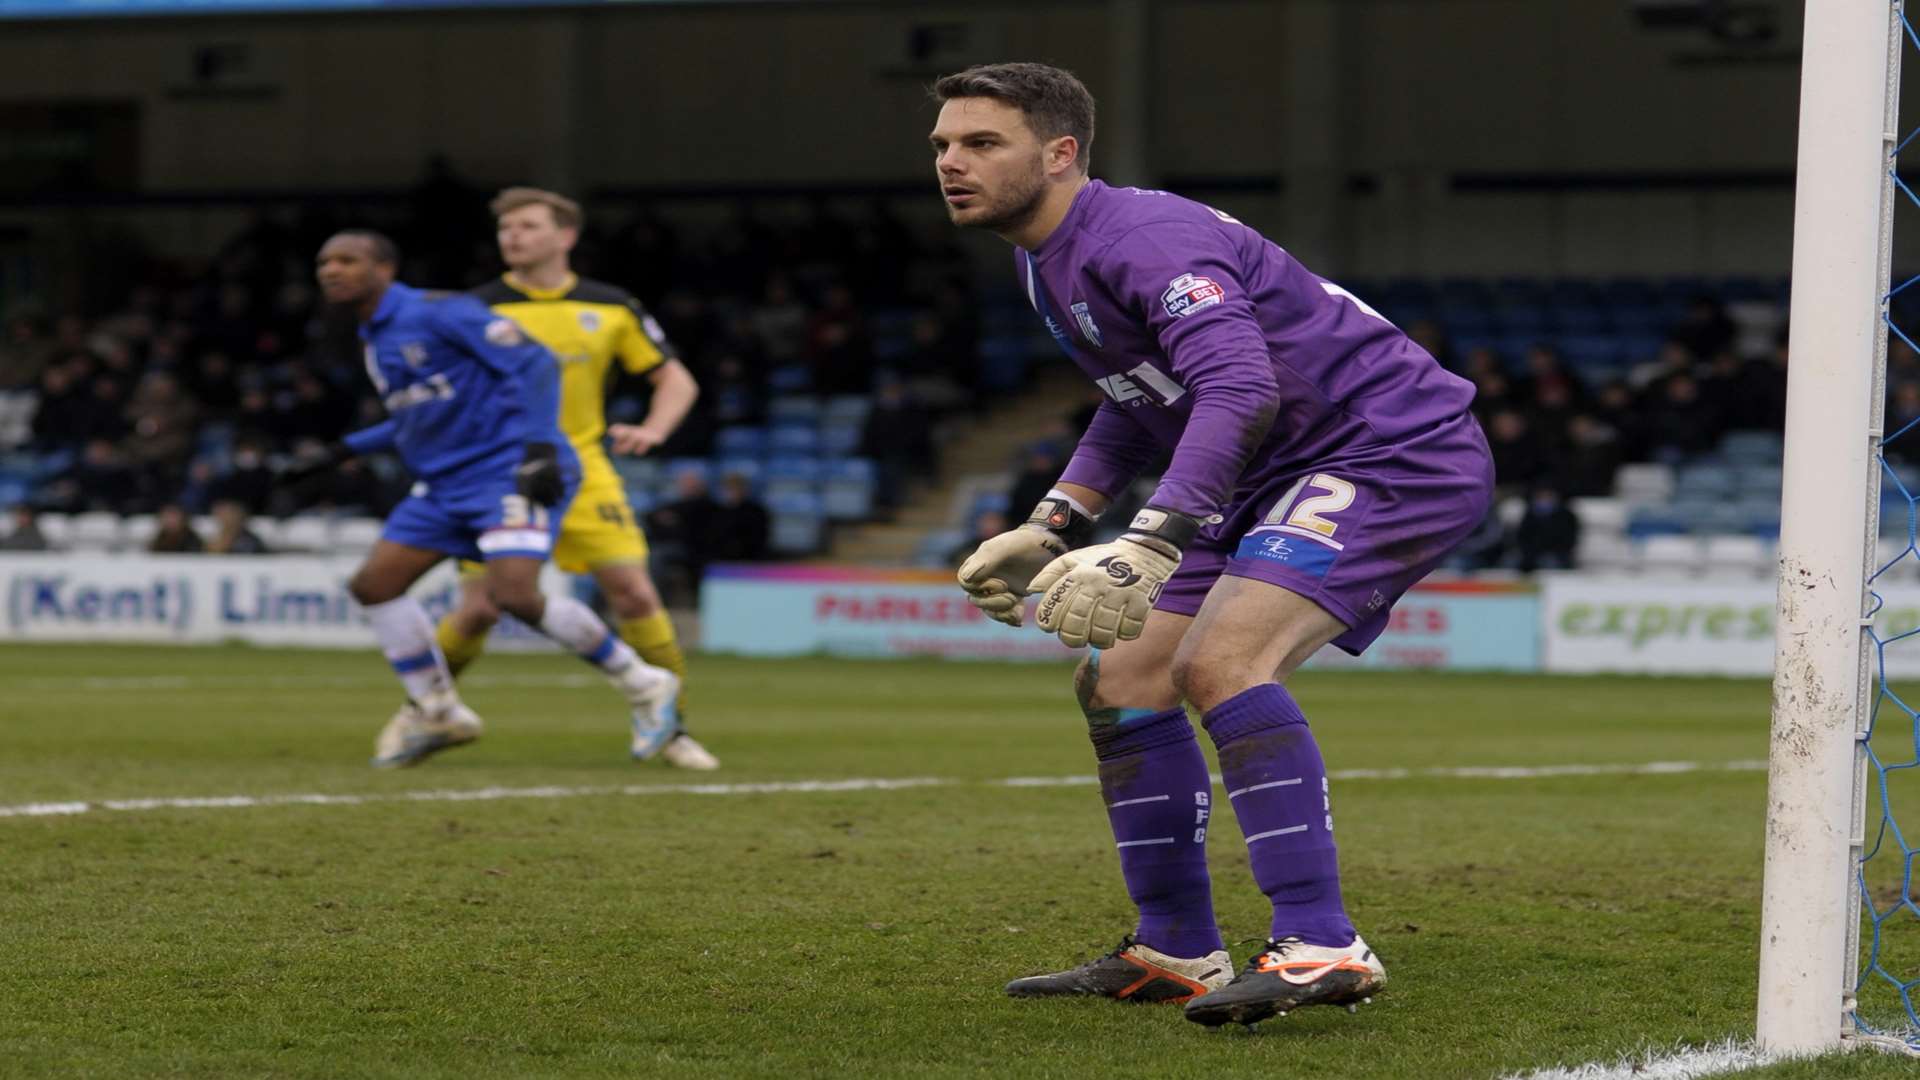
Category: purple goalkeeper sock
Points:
column 1159, row 797
column 1278, row 787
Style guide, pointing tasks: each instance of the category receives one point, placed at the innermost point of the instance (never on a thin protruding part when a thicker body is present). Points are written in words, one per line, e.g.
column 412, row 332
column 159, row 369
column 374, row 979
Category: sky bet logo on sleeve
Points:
column 1190, row 293
column 1303, row 555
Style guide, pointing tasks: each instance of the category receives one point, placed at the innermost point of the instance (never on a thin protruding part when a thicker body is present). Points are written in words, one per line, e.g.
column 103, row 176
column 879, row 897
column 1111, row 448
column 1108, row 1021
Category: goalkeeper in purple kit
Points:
column 1322, row 463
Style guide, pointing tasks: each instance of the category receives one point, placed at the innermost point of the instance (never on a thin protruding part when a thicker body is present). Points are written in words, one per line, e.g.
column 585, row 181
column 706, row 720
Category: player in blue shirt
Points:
column 473, row 409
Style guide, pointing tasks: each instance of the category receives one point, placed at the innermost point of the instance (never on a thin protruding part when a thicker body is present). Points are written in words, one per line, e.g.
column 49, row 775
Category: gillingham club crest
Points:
column 1084, row 317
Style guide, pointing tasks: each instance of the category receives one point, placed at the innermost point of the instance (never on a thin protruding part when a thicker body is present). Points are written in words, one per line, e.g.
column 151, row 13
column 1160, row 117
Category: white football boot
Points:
column 683, row 752
column 415, row 733
column 653, row 693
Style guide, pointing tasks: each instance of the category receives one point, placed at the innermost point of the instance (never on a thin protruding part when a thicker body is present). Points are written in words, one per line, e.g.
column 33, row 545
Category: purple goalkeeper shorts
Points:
column 1351, row 534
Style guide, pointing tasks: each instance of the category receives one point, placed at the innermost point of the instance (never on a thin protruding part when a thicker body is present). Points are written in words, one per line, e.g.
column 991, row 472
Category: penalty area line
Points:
column 74, row 808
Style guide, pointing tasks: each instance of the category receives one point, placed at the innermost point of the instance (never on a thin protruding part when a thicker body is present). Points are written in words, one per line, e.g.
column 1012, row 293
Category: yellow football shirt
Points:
column 589, row 326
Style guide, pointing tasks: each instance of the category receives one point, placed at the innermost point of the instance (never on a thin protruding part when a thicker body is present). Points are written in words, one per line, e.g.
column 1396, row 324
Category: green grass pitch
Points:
column 1525, row 923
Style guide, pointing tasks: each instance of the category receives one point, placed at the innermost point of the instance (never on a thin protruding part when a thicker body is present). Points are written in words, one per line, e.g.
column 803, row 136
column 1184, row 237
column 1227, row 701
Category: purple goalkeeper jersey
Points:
column 1211, row 341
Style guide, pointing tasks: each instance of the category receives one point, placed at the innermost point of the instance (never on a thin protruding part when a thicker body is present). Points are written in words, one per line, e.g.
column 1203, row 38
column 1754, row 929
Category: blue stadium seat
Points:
column 1521, row 319
column 747, row 467
column 789, row 379
column 675, row 468
column 791, row 476
column 1708, row 481
column 637, row 473
column 1657, row 521
column 799, row 522
column 1578, row 318
column 1585, row 352
column 850, row 487
column 794, row 409
column 1758, row 480
column 935, row 546
column 740, row 441
column 847, row 409
column 989, row 502
column 786, row 439
column 53, row 463
column 840, row 440
column 1003, row 362
column 1751, row 447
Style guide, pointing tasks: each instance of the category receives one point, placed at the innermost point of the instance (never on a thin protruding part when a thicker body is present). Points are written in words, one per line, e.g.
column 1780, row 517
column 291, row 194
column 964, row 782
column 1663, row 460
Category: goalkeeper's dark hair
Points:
column 1053, row 100
column 384, row 249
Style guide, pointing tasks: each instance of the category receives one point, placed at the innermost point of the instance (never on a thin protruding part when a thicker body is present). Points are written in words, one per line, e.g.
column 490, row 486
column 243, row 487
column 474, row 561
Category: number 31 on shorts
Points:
column 1313, row 512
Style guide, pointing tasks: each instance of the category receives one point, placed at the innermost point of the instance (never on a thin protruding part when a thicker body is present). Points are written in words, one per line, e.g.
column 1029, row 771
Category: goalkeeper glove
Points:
column 997, row 574
column 538, row 477
column 1101, row 595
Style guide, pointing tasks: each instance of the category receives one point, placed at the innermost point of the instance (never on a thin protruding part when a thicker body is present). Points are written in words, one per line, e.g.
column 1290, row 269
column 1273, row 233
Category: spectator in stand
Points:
column 1678, row 422
column 779, row 322
column 25, row 352
column 25, row 535
column 987, row 524
column 1432, row 337
column 1041, row 466
column 838, row 351
column 1548, row 533
column 212, row 382
column 231, row 535
column 249, row 482
column 1592, row 457
column 679, row 533
column 731, row 394
column 173, row 533
column 1516, row 451
column 898, row 436
column 1706, row 329
column 311, row 410
column 741, row 526
column 100, row 480
column 164, row 421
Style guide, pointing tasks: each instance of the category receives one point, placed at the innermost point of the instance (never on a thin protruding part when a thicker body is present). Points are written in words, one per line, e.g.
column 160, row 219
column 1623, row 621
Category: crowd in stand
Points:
column 1558, row 433
column 185, row 392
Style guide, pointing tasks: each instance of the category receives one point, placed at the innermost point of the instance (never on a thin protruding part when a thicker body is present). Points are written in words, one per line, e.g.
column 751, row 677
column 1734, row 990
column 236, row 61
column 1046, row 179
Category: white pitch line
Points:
column 1719, row 1060
column 139, row 683
column 486, row 794
column 73, row 808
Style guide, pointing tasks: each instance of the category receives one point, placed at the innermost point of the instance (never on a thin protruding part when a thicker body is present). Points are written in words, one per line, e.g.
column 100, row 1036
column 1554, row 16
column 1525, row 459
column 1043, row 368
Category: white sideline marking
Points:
column 782, row 787
column 1718, row 1060
column 1466, row 772
column 486, row 794
column 286, row 682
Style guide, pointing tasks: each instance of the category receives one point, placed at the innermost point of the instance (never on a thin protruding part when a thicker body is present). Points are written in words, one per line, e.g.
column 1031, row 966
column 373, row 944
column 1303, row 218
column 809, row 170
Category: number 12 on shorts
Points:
column 1312, row 515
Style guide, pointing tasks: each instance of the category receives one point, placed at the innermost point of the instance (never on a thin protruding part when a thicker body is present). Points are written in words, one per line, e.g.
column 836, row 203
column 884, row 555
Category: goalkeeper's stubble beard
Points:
column 1009, row 209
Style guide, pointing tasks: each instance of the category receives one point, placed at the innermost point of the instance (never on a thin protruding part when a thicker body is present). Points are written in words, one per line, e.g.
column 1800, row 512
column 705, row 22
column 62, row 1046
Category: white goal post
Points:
column 1842, row 230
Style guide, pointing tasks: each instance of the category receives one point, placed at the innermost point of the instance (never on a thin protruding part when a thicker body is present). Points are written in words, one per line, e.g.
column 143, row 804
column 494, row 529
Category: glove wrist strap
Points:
column 1164, row 529
column 1057, row 515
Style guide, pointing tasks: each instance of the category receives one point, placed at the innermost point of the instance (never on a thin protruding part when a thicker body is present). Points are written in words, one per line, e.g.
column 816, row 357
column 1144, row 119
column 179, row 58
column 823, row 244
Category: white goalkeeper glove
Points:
column 1101, row 595
column 996, row 576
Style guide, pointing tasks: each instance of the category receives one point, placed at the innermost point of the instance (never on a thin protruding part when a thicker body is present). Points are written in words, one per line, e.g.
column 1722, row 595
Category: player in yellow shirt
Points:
column 590, row 327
